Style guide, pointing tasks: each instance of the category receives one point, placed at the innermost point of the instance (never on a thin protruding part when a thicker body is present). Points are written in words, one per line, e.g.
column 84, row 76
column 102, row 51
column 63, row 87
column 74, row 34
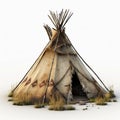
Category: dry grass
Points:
column 91, row 100
column 107, row 97
column 56, row 102
column 62, row 108
column 56, row 108
column 114, row 100
column 100, row 101
column 103, row 100
column 22, row 99
column 39, row 105
column 10, row 100
column 84, row 108
column 112, row 94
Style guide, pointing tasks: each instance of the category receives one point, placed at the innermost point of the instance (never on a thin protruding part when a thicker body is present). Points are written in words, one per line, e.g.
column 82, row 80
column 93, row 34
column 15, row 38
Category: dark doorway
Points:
column 77, row 90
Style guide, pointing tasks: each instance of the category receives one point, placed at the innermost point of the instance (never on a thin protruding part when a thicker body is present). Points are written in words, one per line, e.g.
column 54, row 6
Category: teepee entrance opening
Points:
column 77, row 89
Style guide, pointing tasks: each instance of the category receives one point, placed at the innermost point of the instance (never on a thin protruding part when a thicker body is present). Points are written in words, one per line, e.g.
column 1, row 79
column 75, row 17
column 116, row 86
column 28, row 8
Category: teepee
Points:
column 59, row 69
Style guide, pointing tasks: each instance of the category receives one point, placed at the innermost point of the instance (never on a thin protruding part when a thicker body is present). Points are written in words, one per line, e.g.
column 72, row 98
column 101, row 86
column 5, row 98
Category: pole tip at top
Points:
column 59, row 20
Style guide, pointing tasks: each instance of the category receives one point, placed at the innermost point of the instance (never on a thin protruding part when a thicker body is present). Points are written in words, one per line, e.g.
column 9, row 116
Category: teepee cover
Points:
column 59, row 69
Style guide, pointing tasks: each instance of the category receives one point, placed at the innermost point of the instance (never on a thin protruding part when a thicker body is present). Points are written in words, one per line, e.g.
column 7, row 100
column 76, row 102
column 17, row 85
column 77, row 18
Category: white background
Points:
column 94, row 30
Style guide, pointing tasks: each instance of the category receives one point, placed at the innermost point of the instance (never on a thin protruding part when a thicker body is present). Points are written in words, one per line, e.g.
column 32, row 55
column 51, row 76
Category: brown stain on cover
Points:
column 28, row 82
column 34, row 83
column 25, row 79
